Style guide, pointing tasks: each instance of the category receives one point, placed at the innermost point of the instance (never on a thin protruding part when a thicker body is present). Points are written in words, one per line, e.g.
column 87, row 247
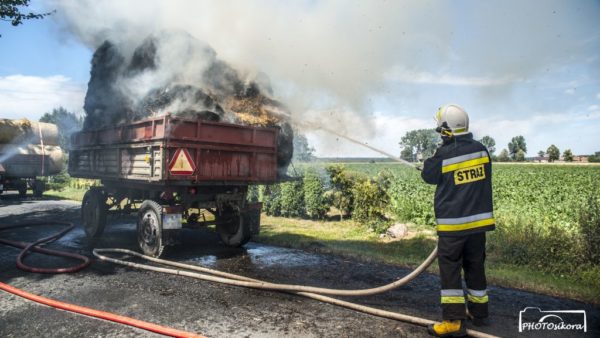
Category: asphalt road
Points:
column 224, row 311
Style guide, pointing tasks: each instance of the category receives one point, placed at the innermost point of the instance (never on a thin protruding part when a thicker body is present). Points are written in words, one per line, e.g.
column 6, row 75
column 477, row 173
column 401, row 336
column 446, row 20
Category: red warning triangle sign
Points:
column 181, row 163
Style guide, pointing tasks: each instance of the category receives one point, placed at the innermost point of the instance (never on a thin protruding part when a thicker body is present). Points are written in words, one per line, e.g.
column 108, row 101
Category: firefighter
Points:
column 462, row 170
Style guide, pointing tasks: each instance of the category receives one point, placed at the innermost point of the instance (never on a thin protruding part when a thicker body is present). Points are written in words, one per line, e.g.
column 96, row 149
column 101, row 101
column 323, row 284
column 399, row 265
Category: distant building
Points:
column 580, row 158
column 539, row 159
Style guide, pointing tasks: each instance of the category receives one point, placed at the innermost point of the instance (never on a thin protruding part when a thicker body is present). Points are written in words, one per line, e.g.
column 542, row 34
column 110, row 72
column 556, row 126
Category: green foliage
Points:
column 292, row 199
column 341, row 189
column 517, row 143
column 589, row 223
column 520, row 156
column 407, row 154
column 253, row 193
column 594, row 158
column 58, row 182
column 11, row 10
column 553, row 153
column 568, row 155
column 489, row 143
column 417, row 143
column 316, row 202
column 370, row 201
column 503, row 157
column 271, row 198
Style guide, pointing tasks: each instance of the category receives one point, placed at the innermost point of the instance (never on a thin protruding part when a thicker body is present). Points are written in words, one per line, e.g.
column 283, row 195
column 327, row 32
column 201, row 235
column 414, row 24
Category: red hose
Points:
column 167, row 331
column 29, row 247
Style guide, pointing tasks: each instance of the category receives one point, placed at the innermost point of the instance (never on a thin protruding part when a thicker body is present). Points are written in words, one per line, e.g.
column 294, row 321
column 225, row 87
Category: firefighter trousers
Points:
column 456, row 253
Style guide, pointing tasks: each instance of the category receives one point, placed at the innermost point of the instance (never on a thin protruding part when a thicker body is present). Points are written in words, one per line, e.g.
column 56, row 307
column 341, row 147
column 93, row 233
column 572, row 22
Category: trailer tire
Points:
column 149, row 229
column 38, row 188
column 93, row 213
column 236, row 231
column 22, row 189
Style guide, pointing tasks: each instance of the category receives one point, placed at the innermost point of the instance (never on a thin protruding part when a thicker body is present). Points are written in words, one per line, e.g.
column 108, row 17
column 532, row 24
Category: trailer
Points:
column 29, row 151
column 175, row 173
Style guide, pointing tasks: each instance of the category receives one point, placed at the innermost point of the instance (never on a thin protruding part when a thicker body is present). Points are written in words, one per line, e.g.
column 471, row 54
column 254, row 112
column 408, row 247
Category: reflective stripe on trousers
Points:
column 452, row 296
column 477, row 296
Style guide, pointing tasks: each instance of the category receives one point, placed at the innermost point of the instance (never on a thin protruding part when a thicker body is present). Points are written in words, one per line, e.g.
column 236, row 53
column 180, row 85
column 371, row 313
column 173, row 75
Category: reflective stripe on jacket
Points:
column 462, row 170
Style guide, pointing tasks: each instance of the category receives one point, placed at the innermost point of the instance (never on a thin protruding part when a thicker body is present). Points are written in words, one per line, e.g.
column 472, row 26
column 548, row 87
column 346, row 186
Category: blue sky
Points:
column 528, row 68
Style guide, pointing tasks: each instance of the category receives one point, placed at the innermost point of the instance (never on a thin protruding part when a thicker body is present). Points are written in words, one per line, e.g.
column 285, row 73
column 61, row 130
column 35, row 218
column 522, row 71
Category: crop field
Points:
column 541, row 194
column 547, row 216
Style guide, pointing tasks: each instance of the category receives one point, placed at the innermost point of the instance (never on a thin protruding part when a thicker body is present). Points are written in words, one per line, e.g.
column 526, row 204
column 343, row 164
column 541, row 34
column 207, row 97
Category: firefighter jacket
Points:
column 462, row 170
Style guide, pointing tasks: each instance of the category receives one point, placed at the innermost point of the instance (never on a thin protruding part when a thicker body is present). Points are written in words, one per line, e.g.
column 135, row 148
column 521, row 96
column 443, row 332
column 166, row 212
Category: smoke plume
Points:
column 338, row 55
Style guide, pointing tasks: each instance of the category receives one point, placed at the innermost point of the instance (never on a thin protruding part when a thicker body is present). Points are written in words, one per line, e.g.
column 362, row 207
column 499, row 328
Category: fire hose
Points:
column 316, row 293
column 85, row 261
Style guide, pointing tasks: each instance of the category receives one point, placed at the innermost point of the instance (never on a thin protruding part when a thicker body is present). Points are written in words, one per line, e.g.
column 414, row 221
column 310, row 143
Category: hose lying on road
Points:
column 167, row 331
column 28, row 247
column 232, row 279
column 237, row 280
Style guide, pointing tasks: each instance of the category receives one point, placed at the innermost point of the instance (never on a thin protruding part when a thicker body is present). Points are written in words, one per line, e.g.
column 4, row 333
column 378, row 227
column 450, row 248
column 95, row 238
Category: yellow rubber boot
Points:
column 448, row 328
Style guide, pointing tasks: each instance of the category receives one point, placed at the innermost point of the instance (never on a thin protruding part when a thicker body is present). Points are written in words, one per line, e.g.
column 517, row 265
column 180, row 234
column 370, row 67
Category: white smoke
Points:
column 337, row 55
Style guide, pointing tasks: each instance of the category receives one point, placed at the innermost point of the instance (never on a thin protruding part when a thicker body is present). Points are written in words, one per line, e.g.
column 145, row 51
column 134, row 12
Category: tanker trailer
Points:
column 28, row 150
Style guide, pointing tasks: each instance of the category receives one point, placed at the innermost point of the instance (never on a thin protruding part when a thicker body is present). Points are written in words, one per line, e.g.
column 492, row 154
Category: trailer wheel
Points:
column 22, row 188
column 38, row 188
column 93, row 213
column 149, row 229
column 233, row 229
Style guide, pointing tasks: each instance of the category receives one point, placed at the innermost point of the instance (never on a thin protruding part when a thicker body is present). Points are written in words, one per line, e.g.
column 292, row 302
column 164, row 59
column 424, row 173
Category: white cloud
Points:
column 570, row 91
column 593, row 107
column 399, row 74
column 598, row 96
column 574, row 131
column 32, row 96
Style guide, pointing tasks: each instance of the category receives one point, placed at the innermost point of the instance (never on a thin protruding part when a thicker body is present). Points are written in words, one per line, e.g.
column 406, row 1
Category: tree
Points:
column 303, row 152
column 568, row 155
column 489, row 143
column 407, row 154
column 520, row 157
column 66, row 122
column 315, row 201
column 541, row 153
column 10, row 10
column 517, row 143
column 553, row 153
column 421, row 142
column 595, row 157
column 503, row 157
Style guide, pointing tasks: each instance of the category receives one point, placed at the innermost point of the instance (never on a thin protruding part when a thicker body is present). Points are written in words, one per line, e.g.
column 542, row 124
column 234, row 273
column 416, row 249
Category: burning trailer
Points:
column 179, row 145
column 28, row 150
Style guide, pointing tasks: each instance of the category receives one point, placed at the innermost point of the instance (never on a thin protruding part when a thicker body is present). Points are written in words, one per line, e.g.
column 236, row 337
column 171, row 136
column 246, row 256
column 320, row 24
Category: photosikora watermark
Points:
column 534, row 319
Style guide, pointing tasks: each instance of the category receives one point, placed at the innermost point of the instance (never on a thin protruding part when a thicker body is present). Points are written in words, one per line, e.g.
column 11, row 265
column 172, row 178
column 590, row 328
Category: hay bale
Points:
column 23, row 131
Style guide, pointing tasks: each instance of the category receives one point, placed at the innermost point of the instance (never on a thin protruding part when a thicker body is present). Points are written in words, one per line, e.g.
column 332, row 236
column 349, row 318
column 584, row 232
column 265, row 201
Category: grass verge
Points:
column 349, row 239
column 67, row 193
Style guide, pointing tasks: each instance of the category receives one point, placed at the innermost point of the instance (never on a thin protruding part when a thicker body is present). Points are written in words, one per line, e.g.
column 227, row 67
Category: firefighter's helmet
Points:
column 452, row 120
